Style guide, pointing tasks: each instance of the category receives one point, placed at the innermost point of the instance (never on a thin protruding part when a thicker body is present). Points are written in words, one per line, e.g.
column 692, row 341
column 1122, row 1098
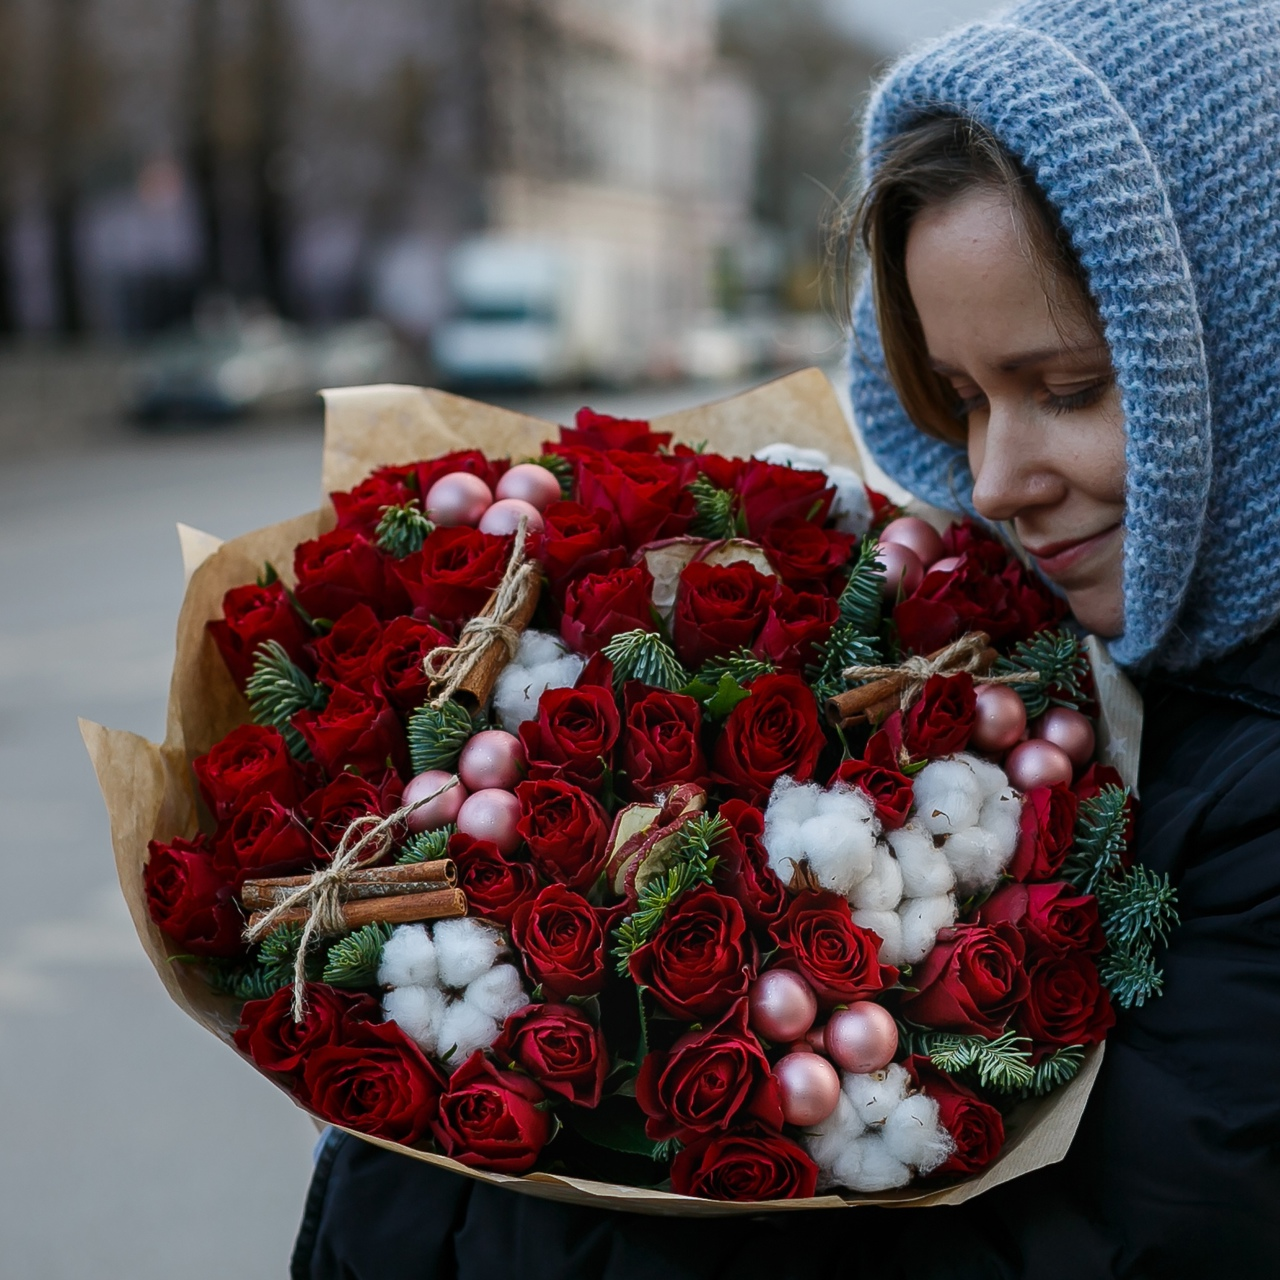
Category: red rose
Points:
column 1048, row 827
column 189, row 900
column 772, row 732
column 269, row 1035
column 355, row 730
column 798, row 623
column 941, row 722
column 263, row 838
column 743, row 867
column 361, row 508
column 573, row 736
column 1097, row 776
column 566, row 830
column 492, row 1119
column 771, row 493
column 645, row 497
column 719, row 608
column 975, row 1126
column 576, row 541
column 806, row 556
column 495, row 884
column 469, row 460
column 560, row 1047
column 601, row 431
column 342, row 656
column 396, row 664
column 453, row 576
column 342, row 569
column 336, row 805
column 839, row 959
column 249, row 760
column 252, row 615
column 744, row 1166
column 562, row 939
column 889, row 790
column 709, row 1079
column 373, row 1079
column 723, row 472
column 701, row 958
column 661, row 744
column 971, row 981
column 1052, row 917
column 1066, row 1003
column 599, row 606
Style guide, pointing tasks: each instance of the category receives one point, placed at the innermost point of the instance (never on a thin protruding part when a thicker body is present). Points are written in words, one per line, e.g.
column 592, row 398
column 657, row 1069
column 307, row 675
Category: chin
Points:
column 1098, row 610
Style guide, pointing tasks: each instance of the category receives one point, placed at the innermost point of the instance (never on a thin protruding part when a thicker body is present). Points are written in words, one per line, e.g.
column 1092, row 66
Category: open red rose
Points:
column 250, row 759
column 355, row 730
column 723, row 472
column 342, row 656
column 338, row 803
column 744, row 1166
column 806, row 556
column 661, row 743
column 889, row 790
column 602, row 431
column 797, row 624
column 269, row 1035
column 599, row 606
column 560, row 1047
column 492, row 1119
column 1066, row 1003
column 263, row 838
column 453, row 576
column 719, row 608
column 1052, row 917
column 189, row 900
column 251, row 616
column 772, row 732
column 701, row 958
column 942, row 719
column 710, row 1079
column 566, row 830
column 472, row 461
column 975, row 1126
column 341, row 569
column 1048, row 826
column 373, row 1079
column 573, row 736
column 396, row 663
column 972, row 981
column 839, row 959
column 645, row 497
column 770, row 493
column 576, row 541
column 562, row 940
column 743, row 868
column 361, row 508
column 494, row 883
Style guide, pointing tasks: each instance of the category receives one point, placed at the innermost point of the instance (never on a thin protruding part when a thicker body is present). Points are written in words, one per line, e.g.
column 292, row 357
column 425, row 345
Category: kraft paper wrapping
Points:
column 150, row 790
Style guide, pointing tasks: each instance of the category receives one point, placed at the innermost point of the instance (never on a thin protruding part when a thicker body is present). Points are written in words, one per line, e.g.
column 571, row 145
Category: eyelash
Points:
column 1085, row 398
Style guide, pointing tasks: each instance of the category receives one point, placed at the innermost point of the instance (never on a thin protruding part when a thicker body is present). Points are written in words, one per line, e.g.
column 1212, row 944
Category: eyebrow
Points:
column 1024, row 358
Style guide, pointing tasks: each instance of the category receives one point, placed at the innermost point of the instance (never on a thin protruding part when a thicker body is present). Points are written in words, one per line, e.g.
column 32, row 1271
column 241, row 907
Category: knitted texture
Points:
column 1153, row 128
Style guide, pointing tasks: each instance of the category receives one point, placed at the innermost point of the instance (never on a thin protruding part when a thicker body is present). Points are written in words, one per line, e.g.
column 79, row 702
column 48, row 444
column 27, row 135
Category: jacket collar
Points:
column 1248, row 675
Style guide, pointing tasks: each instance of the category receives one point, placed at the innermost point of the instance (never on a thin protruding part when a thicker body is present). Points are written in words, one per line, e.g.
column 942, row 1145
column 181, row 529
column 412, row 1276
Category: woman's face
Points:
column 1045, row 428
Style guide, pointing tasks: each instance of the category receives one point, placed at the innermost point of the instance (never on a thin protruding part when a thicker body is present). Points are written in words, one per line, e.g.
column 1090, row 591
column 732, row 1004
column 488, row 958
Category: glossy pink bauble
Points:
column 458, row 498
column 1036, row 763
column 903, row 571
column 810, row 1088
column 438, row 812
column 504, row 517
column 801, row 1046
column 1069, row 730
column 782, row 1005
column 916, row 535
column 948, row 564
column 492, row 758
column 530, row 483
column 491, row 815
column 816, row 1038
column 862, row 1038
column 1002, row 718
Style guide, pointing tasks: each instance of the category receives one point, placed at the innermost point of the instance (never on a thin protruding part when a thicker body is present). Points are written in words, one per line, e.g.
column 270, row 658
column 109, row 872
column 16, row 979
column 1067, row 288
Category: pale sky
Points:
column 891, row 26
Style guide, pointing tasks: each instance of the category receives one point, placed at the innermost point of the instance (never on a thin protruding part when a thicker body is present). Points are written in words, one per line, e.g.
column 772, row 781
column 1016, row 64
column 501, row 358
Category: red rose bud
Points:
column 889, row 790
column 355, row 731
column 251, row 616
column 361, row 508
column 840, row 959
column 575, row 542
column 599, row 606
column 566, row 829
column 744, row 1166
column 771, row 493
column 701, row 959
column 573, row 736
column 975, row 1126
column 562, row 940
column 972, row 980
column 661, row 744
column 602, row 431
column 249, row 760
column 336, row 805
column 1048, row 826
column 492, row 1119
column 807, row 556
column 719, row 608
column 645, row 497
column 276, row 1043
column 743, row 867
column 1066, row 1003
column 189, row 900
column 798, row 623
column 469, row 460
column 341, row 569
column 708, row 1080
column 941, row 721
column 453, row 576
column 1052, row 917
column 396, row 663
column 495, row 884
column 560, row 1047
column 263, row 838
column 342, row 656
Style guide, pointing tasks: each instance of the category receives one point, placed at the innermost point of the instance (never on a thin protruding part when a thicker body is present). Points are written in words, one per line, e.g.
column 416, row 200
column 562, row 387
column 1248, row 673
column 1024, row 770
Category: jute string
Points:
column 364, row 842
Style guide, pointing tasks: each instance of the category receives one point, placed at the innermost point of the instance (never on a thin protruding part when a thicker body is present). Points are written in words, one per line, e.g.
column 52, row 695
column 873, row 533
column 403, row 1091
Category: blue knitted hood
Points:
column 1153, row 127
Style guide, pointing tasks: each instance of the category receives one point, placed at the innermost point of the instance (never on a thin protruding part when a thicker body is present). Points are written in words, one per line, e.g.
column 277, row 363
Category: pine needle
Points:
column 647, row 657
column 277, row 690
column 436, row 735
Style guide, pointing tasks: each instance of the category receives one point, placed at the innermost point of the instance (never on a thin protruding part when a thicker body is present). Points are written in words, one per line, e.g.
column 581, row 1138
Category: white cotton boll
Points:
column 876, row 1093
column 881, row 890
column 867, row 1165
column 888, row 927
column 1002, row 816
column 516, row 694
column 464, row 1029
column 976, row 857
column 922, row 920
column 914, row 1134
column 418, row 1012
column 824, row 1142
column 992, row 779
column 851, row 510
column 499, row 993
column 791, row 455
column 840, row 850
column 925, row 869
column 408, row 958
column 947, row 797
column 537, row 648
column 464, row 950
column 846, row 802
column 790, row 804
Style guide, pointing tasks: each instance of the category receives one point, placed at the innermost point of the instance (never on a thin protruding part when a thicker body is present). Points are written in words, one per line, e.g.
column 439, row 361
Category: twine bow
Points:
column 322, row 897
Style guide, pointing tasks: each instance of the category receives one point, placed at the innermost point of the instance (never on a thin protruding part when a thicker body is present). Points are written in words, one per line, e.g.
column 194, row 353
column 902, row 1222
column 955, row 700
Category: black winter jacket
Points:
column 1174, row 1173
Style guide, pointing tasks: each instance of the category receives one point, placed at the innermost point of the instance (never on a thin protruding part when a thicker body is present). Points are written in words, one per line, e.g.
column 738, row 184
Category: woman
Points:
column 1072, row 326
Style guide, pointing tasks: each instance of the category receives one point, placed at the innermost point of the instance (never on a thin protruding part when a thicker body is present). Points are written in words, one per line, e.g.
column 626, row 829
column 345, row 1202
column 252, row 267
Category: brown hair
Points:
column 930, row 164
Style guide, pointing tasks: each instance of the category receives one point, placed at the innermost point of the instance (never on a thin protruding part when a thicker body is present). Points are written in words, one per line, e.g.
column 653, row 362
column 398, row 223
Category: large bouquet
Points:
column 620, row 809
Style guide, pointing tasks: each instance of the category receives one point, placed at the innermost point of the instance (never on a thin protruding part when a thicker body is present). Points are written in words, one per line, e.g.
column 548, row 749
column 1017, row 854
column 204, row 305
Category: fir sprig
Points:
column 846, row 646
column 647, row 657
column 1056, row 1070
column 742, row 666
column 427, row 846
column 1002, row 1065
column 402, row 529
column 437, row 734
column 1101, row 835
column 862, row 599
column 716, row 512
column 278, row 689
column 353, row 961
column 1058, row 658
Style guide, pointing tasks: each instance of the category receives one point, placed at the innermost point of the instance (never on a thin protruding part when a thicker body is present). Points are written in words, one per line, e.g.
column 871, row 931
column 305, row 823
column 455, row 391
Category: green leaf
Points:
column 728, row 693
column 437, row 735
column 277, row 690
column 353, row 962
column 616, row 1124
column 402, row 529
column 268, row 577
column 647, row 657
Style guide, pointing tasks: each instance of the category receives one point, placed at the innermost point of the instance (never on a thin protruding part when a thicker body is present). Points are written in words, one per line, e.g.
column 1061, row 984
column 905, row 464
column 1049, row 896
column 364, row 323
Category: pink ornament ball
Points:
column 1037, row 763
column 458, row 498
column 916, row 535
column 816, row 1038
column 903, row 571
column 948, row 564
column 491, row 814
column 1069, row 730
column 492, row 758
column 862, row 1038
column 530, row 483
column 810, row 1088
column 438, row 812
column 504, row 517
column 1002, row 718
column 781, row 1006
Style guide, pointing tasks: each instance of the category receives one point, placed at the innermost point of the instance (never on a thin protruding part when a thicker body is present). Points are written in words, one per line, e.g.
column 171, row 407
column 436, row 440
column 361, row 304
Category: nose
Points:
column 1009, row 474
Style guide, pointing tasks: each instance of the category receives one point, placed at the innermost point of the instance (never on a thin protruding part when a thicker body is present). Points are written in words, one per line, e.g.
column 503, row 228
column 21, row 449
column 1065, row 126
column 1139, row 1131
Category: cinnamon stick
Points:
column 878, row 699
column 479, row 682
column 257, row 898
column 367, row 882
column 435, row 904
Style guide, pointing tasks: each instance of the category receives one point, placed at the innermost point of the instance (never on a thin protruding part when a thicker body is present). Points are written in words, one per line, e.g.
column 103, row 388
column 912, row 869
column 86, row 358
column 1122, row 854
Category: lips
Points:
column 1056, row 559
